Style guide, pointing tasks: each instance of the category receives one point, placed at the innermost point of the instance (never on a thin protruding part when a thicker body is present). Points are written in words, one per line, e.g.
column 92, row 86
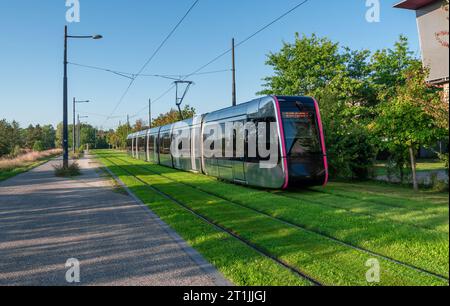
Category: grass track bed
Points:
column 436, row 220
column 240, row 264
column 322, row 259
column 425, row 249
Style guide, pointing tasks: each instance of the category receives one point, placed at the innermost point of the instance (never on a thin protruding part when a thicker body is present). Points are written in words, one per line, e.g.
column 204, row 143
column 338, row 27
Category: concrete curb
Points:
column 208, row 268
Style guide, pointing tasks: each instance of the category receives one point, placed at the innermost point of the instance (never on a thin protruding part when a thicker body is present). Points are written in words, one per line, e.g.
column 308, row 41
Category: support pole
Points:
column 65, row 143
column 73, row 128
column 234, row 73
column 79, row 132
column 149, row 113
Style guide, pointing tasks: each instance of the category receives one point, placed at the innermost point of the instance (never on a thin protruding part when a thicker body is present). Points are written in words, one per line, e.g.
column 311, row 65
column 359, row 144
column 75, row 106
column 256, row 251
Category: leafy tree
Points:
column 340, row 79
column 32, row 134
column 118, row 139
column 16, row 139
column 388, row 67
column 350, row 147
column 48, row 137
column 173, row 116
column 10, row 137
column 304, row 67
column 5, row 132
column 101, row 140
column 59, row 135
column 87, row 135
column 405, row 123
column 138, row 126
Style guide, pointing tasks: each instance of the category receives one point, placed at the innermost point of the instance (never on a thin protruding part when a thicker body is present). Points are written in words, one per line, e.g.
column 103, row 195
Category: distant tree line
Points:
column 118, row 138
column 89, row 136
column 14, row 139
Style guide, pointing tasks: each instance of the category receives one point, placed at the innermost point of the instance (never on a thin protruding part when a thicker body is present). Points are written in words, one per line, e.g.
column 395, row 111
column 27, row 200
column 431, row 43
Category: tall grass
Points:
column 26, row 159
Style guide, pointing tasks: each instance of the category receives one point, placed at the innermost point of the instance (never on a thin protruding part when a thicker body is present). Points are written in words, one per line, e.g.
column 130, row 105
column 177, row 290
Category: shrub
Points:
column 351, row 155
column 38, row 146
column 397, row 169
column 438, row 185
column 17, row 151
column 71, row 171
column 77, row 155
column 445, row 159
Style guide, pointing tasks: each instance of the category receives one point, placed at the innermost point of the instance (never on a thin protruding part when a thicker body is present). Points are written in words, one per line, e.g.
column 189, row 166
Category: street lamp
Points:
column 65, row 98
column 73, row 128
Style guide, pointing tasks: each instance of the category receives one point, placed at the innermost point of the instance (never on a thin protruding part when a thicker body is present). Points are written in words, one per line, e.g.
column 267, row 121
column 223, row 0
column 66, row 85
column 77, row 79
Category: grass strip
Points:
column 436, row 220
column 421, row 248
column 327, row 261
column 7, row 174
column 390, row 195
column 235, row 260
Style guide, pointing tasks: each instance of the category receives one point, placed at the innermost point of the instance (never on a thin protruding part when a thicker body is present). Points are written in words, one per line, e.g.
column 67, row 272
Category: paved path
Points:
column 44, row 221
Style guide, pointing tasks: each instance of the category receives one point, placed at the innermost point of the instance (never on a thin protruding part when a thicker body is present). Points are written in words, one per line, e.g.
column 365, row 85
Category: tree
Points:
column 173, row 116
column 340, row 79
column 388, row 67
column 304, row 67
column 48, row 137
column 10, row 137
column 38, row 146
column 5, row 141
column 405, row 122
column 32, row 134
column 16, row 139
column 59, row 135
column 118, row 139
column 138, row 126
column 101, row 139
column 351, row 148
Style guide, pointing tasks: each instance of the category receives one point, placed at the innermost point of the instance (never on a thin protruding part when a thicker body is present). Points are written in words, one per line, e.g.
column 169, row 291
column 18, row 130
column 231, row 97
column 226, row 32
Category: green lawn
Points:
column 407, row 229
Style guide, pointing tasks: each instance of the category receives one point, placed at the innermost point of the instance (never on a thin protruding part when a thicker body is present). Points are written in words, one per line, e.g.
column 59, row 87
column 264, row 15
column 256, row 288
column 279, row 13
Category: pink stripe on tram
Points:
column 283, row 144
column 322, row 138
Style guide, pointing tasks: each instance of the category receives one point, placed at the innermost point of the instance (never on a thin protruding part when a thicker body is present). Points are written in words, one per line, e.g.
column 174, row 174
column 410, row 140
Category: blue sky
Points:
column 31, row 41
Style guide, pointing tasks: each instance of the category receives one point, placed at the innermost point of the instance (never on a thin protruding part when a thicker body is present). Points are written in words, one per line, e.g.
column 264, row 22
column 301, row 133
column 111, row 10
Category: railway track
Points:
column 286, row 222
column 258, row 249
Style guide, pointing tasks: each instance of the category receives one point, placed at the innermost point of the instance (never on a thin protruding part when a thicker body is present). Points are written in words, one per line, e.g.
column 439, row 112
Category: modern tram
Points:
column 301, row 159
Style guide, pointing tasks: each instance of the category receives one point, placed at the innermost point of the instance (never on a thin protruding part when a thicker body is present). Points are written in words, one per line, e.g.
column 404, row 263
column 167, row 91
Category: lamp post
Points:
column 65, row 98
column 73, row 128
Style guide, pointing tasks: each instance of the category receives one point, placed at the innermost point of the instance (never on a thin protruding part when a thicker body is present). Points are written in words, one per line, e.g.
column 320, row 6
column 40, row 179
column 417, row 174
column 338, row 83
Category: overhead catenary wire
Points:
column 215, row 59
column 249, row 37
column 151, row 58
column 129, row 75
column 101, row 115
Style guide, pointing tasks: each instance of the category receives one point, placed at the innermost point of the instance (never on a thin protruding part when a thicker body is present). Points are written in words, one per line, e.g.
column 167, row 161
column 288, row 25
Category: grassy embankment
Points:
column 12, row 167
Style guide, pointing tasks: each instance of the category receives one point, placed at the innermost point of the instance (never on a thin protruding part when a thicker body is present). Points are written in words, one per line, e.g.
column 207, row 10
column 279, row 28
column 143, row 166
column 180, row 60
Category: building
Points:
column 433, row 25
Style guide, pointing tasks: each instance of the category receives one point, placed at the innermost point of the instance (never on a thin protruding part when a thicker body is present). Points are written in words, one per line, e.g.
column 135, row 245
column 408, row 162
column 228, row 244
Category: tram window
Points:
column 301, row 129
